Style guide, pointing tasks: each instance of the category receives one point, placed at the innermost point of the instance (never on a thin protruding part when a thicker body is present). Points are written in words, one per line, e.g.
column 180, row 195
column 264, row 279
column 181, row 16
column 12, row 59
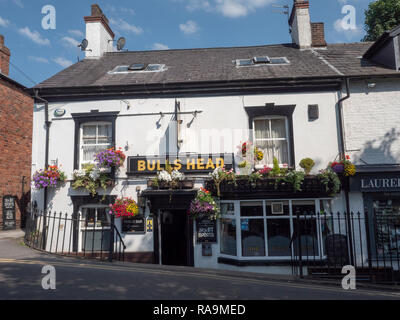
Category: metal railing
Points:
column 74, row 235
column 323, row 243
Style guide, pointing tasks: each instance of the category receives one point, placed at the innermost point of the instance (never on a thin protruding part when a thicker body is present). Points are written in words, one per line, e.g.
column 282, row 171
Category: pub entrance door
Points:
column 175, row 237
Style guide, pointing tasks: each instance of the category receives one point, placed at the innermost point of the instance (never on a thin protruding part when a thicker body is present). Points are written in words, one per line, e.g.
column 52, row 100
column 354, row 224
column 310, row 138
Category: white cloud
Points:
column 4, row 22
column 34, row 36
column 127, row 10
column 228, row 8
column 189, row 27
column 76, row 33
column 125, row 26
column 159, row 46
column 18, row 3
column 38, row 59
column 62, row 62
column 70, row 42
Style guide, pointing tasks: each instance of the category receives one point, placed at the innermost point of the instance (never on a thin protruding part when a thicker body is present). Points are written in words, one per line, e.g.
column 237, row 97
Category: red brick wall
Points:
column 16, row 113
column 318, row 34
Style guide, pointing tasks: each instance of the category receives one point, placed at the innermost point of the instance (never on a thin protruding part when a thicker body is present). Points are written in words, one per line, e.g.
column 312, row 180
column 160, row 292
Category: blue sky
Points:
column 155, row 24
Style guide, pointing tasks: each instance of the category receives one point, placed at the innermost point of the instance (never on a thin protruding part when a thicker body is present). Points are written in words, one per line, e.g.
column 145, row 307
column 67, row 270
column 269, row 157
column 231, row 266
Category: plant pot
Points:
column 245, row 171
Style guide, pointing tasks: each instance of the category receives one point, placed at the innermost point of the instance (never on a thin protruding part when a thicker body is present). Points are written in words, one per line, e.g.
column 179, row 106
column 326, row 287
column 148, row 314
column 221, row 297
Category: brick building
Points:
column 16, row 110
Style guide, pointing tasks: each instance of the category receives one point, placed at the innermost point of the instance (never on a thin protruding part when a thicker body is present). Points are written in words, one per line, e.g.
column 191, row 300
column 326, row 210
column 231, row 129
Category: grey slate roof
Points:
column 216, row 64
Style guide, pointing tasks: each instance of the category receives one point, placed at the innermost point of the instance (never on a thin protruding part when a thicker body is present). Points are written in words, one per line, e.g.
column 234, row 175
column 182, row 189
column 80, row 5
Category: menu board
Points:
column 206, row 230
column 9, row 222
column 133, row 225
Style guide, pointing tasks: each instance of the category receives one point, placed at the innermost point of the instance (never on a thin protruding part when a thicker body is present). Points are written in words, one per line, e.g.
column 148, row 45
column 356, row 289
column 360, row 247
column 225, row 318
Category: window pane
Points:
column 89, row 134
column 227, row 208
column 272, row 208
column 278, row 231
column 104, row 134
column 102, row 217
column 281, row 151
column 251, row 208
column 90, row 151
column 253, row 241
column 228, row 236
column 278, row 128
column 90, row 216
column 309, row 239
column 261, row 128
column 303, row 207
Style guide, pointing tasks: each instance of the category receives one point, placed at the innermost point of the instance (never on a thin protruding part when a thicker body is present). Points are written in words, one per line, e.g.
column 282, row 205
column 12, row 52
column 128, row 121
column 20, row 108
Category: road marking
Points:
column 197, row 275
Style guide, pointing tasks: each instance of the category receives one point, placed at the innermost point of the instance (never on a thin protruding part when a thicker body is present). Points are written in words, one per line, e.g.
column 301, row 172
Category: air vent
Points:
column 313, row 112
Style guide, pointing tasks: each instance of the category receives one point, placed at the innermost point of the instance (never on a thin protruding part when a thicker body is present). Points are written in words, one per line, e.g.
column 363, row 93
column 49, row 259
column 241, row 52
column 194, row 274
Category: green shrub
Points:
column 307, row 164
column 276, row 170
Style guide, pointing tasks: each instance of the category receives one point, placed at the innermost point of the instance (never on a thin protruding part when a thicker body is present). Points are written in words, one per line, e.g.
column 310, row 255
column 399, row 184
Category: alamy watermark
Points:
column 349, row 281
column 49, row 20
column 49, row 280
column 349, row 22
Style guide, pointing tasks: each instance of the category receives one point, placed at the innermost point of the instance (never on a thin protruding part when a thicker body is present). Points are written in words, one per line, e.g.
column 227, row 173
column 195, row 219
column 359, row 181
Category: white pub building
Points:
column 194, row 107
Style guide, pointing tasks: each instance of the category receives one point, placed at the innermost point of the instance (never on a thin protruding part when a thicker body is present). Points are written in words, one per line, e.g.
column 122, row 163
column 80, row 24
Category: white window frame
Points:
column 236, row 216
column 82, row 220
column 97, row 123
column 259, row 166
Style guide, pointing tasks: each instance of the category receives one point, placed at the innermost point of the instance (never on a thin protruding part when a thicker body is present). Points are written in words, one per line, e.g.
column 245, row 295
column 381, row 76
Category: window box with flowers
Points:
column 52, row 177
column 91, row 178
column 171, row 179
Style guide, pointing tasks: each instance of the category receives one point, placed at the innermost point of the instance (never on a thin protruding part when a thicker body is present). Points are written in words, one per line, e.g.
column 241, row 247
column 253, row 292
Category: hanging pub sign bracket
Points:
column 191, row 163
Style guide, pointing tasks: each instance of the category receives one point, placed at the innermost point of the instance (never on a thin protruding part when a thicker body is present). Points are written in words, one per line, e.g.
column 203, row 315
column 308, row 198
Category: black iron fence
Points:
column 65, row 234
column 323, row 243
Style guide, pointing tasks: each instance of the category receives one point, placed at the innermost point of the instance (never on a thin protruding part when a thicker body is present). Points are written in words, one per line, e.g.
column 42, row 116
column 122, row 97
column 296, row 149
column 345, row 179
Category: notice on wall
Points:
column 206, row 230
column 149, row 225
column 9, row 219
column 133, row 225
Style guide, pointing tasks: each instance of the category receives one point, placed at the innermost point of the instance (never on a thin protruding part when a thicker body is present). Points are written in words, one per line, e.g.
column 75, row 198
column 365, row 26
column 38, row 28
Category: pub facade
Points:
column 165, row 111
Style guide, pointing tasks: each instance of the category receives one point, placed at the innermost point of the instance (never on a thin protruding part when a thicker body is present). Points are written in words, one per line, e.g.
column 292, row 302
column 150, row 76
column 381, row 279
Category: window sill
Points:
column 247, row 263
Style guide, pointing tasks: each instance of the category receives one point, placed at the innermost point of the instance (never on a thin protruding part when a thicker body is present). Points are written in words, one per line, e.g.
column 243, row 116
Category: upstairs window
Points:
column 271, row 136
column 261, row 61
column 95, row 137
column 138, row 67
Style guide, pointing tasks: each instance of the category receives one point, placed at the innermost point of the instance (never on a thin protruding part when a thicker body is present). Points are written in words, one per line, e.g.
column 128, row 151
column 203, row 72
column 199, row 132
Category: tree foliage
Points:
column 381, row 15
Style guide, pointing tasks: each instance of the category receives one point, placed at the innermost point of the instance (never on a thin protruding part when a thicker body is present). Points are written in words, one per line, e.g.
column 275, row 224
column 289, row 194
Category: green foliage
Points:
column 381, row 15
column 307, row 164
column 295, row 178
column 276, row 170
column 91, row 179
column 243, row 164
column 254, row 177
column 330, row 180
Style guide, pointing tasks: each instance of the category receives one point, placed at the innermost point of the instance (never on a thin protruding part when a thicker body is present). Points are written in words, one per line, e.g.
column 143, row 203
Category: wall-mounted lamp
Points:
column 128, row 105
column 371, row 85
column 158, row 123
column 191, row 121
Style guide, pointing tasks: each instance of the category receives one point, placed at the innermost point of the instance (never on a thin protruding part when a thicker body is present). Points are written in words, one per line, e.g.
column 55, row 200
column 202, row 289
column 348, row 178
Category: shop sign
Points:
column 206, row 230
column 184, row 163
column 376, row 183
column 9, row 221
column 149, row 225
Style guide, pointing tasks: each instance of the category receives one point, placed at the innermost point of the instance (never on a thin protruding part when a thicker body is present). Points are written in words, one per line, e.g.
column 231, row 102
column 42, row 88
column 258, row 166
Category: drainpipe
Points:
column 47, row 125
column 342, row 154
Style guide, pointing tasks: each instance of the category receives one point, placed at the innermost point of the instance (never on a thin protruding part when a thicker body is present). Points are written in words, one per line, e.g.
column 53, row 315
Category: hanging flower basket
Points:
column 110, row 158
column 204, row 206
column 124, row 207
column 51, row 177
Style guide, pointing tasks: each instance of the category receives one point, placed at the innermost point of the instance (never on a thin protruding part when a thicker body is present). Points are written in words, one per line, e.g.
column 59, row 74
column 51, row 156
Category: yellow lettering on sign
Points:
column 191, row 164
column 220, row 163
column 210, row 164
column 141, row 165
column 151, row 167
column 178, row 165
column 200, row 164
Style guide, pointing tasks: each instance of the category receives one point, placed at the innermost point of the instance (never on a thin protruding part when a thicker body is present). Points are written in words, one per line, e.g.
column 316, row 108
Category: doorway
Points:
column 175, row 238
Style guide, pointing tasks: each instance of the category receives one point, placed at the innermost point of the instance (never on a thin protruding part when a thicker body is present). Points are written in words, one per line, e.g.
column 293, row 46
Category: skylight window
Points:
column 260, row 61
column 138, row 67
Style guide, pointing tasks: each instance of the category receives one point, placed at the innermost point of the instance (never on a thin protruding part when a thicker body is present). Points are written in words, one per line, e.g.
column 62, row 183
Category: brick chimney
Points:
column 318, row 34
column 300, row 24
column 98, row 33
column 4, row 57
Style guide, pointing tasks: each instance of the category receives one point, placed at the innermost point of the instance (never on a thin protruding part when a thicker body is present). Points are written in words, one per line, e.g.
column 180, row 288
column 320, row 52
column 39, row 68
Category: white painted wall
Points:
column 224, row 116
column 371, row 122
column 99, row 40
column 301, row 28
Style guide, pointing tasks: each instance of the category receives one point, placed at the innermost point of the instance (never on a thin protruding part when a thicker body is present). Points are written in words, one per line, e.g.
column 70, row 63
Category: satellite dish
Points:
column 83, row 44
column 121, row 43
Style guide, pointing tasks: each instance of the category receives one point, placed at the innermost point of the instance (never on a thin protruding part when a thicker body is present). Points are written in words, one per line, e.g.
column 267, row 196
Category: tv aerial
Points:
column 284, row 10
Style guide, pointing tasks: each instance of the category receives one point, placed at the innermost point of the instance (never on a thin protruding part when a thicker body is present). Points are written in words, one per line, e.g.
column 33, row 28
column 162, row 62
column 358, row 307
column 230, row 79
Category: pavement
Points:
column 77, row 278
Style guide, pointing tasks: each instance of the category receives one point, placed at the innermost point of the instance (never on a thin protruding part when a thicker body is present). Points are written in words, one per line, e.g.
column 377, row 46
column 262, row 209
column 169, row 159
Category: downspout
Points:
column 47, row 126
column 342, row 155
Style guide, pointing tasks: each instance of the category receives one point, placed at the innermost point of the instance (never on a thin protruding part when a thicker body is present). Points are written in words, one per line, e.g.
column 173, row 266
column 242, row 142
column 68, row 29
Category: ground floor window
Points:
column 95, row 228
column 265, row 228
